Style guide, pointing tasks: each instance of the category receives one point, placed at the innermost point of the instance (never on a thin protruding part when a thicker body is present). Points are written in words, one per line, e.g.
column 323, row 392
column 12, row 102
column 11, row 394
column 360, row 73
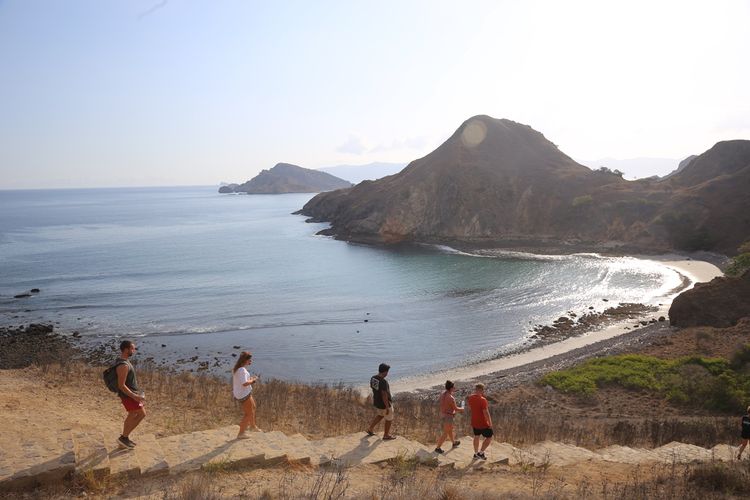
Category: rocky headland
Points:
column 498, row 183
column 720, row 303
column 287, row 178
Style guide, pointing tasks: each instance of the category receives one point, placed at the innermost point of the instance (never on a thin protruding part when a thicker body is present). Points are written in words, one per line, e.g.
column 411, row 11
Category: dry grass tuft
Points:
column 720, row 477
column 195, row 487
column 329, row 483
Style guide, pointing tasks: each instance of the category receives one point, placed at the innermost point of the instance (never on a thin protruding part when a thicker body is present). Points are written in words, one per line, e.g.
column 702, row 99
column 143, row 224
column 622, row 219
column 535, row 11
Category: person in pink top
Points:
column 448, row 410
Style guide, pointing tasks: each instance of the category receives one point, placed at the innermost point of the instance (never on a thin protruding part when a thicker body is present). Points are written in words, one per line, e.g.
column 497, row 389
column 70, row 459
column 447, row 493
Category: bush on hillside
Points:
column 741, row 358
column 607, row 170
column 741, row 262
column 709, row 383
column 582, row 200
column 685, row 230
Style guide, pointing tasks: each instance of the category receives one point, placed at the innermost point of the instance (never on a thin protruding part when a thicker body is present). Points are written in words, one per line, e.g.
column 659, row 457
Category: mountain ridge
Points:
column 495, row 181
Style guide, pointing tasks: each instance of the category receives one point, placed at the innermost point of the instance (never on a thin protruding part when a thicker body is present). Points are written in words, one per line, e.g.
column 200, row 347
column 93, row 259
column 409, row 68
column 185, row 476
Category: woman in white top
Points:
column 242, row 389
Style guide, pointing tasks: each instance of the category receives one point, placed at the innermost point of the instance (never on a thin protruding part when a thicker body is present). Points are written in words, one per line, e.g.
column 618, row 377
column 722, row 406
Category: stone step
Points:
column 675, row 452
column 186, row 452
column 308, row 449
column 261, row 449
column 123, row 463
column 146, row 459
column 553, row 453
column 91, row 455
column 359, row 448
column 35, row 458
column 627, row 455
column 39, row 458
column 296, row 449
column 277, row 446
column 462, row 456
column 150, row 456
column 728, row 453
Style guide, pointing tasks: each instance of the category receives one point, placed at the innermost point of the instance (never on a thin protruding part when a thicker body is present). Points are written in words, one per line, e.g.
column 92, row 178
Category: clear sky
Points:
column 154, row 92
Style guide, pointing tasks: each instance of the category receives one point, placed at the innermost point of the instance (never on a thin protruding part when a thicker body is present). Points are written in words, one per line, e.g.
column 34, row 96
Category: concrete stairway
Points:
column 34, row 459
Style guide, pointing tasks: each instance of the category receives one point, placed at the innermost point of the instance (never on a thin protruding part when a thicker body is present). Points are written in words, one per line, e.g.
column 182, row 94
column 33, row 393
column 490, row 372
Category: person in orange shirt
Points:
column 481, row 421
column 448, row 410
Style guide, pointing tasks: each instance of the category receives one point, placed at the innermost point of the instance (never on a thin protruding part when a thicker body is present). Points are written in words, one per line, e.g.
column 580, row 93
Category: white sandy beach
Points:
column 695, row 271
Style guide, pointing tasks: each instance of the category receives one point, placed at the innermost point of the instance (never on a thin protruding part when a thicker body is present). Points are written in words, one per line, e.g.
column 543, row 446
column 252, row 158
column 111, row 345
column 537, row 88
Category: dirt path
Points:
column 32, row 405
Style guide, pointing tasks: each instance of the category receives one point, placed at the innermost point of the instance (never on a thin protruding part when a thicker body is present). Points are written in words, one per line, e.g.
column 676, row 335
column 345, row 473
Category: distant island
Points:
column 503, row 184
column 287, row 178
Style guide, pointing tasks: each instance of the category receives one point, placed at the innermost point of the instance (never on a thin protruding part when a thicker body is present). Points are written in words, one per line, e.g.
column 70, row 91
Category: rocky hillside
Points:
column 358, row 173
column 720, row 303
column 500, row 182
column 286, row 178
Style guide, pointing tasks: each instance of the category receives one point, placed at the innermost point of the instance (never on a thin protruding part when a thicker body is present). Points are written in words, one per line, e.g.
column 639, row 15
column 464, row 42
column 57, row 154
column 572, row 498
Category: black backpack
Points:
column 110, row 377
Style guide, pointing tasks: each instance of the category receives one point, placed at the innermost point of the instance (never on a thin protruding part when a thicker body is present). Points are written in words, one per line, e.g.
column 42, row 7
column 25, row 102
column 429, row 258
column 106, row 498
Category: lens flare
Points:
column 474, row 133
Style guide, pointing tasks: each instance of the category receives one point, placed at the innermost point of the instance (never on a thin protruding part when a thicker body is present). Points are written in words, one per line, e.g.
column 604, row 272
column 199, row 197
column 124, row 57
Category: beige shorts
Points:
column 387, row 413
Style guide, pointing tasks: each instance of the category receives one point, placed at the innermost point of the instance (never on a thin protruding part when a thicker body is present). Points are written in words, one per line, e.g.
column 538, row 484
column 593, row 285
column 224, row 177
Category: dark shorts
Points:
column 483, row 432
column 131, row 404
column 745, row 436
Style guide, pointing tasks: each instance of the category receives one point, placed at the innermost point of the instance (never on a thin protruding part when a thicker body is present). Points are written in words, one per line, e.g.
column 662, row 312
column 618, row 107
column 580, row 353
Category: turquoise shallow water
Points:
column 201, row 272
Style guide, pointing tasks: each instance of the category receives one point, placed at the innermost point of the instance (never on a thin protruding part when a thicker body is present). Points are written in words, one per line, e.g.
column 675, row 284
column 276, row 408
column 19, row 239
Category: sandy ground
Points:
column 29, row 404
column 695, row 271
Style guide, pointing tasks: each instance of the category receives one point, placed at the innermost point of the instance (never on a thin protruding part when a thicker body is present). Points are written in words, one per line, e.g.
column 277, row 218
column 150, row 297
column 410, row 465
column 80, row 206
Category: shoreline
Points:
column 696, row 271
column 602, row 328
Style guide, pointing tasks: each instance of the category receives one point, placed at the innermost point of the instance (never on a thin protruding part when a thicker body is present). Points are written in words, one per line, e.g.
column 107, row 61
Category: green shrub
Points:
column 739, row 265
column 740, row 358
column 579, row 201
column 710, row 383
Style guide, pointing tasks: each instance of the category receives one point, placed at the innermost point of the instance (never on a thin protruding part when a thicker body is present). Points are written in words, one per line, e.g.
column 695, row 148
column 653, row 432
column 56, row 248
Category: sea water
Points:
column 190, row 274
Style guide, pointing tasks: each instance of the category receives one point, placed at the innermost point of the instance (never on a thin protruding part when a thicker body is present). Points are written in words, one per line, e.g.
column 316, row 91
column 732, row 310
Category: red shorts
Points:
column 131, row 404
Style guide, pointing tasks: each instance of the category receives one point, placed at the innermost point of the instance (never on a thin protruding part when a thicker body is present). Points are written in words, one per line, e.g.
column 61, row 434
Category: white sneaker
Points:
column 243, row 436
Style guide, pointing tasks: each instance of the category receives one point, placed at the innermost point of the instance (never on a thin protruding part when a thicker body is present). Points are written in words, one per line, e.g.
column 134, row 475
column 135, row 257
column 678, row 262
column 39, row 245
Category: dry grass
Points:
column 712, row 480
column 181, row 402
column 196, row 487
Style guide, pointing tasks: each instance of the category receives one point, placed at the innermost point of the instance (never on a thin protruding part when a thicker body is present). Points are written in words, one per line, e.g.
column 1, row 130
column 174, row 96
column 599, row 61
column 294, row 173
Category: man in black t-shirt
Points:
column 382, row 401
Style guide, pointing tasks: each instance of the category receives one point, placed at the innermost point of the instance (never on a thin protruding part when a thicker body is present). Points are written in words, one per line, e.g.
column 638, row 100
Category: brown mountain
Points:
column 287, row 178
column 501, row 182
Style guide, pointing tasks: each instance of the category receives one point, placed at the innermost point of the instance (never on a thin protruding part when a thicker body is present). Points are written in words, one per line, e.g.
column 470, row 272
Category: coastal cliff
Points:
column 497, row 181
column 720, row 303
column 287, row 178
